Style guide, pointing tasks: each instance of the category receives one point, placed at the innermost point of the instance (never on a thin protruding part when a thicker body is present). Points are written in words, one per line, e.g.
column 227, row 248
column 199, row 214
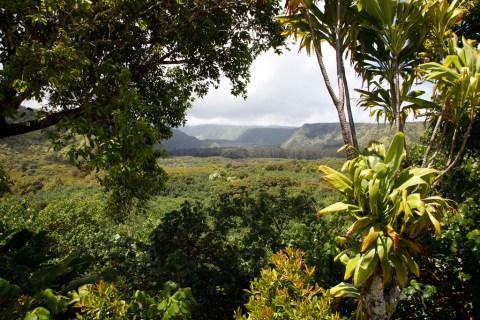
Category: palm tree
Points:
column 305, row 20
column 385, row 43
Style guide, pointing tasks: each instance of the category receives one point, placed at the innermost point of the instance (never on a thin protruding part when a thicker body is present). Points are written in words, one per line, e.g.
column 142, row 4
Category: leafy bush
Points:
column 103, row 301
column 287, row 292
column 191, row 251
column 217, row 249
column 450, row 285
column 29, row 268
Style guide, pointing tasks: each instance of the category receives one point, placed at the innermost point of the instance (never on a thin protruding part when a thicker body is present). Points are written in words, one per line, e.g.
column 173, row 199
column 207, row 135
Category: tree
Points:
column 457, row 85
column 121, row 74
column 385, row 46
column 305, row 20
column 388, row 209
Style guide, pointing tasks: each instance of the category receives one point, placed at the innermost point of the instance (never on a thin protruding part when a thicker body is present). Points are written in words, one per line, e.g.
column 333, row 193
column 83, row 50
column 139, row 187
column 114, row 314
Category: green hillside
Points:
column 328, row 135
column 266, row 137
column 181, row 140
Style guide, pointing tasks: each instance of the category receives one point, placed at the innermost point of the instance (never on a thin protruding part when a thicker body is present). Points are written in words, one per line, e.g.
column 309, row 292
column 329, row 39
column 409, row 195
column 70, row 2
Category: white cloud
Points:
column 285, row 89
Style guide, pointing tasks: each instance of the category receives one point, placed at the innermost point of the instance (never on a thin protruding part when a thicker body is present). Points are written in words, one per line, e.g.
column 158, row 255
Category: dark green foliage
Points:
column 449, row 287
column 29, row 267
column 235, row 153
column 217, row 249
column 188, row 250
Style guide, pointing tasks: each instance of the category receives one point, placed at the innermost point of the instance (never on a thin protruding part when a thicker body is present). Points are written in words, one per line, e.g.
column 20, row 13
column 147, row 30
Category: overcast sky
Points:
column 285, row 89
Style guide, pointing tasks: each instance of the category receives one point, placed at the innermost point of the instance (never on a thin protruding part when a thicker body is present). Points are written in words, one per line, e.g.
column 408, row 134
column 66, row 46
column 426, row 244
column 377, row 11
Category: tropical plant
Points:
column 385, row 45
column 457, row 85
column 305, row 20
column 29, row 271
column 379, row 101
column 388, row 208
column 287, row 291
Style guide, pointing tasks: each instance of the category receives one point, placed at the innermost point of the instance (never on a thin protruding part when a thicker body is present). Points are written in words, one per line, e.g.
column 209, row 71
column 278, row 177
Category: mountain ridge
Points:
column 309, row 135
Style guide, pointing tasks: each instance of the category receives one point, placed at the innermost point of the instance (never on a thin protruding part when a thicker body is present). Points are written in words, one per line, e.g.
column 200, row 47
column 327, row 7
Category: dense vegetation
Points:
column 392, row 232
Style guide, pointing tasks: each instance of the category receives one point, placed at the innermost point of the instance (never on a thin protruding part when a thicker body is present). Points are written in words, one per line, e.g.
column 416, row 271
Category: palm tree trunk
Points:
column 342, row 76
column 349, row 109
column 397, row 105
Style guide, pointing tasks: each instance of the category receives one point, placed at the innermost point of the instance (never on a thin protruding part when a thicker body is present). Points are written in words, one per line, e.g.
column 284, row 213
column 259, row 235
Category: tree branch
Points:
column 451, row 165
column 12, row 129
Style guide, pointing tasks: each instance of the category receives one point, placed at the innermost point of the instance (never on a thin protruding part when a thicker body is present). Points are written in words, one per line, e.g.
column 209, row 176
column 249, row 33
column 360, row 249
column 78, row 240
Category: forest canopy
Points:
column 120, row 74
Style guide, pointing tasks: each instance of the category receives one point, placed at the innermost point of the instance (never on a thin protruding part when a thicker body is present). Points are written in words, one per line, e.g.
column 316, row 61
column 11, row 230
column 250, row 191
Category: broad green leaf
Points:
column 339, row 207
column 386, row 271
column 365, row 267
column 351, row 266
column 400, row 271
column 382, row 248
column 344, row 290
column 374, row 195
column 396, row 153
column 359, row 224
column 413, row 181
column 435, row 223
column 337, row 179
column 411, row 264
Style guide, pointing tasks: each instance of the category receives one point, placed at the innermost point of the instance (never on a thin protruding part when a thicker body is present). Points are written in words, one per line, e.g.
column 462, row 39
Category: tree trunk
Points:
column 451, row 164
column 338, row 103
column 342, row 78
column 349, row 109
column 380, row 304
column 397, row 105
column 432, row 139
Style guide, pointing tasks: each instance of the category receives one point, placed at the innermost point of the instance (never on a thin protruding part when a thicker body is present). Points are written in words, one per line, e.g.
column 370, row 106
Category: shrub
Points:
column 287, row 292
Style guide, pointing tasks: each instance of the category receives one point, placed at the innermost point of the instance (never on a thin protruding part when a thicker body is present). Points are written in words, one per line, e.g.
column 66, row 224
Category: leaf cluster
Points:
column 388, row 208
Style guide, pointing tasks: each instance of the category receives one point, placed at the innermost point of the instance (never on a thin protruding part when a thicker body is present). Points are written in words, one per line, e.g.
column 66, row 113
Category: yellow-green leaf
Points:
column 350, row 267
column 369, row 239
column 359, row 224
column 339, row 207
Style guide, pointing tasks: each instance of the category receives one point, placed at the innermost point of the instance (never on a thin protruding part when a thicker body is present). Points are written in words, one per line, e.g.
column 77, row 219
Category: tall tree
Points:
column 121, row 74
column 304, row 19
column 385, row 46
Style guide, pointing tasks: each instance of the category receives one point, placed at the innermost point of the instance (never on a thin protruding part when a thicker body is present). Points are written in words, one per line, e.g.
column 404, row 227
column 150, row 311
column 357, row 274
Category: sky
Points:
column 286, row 90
